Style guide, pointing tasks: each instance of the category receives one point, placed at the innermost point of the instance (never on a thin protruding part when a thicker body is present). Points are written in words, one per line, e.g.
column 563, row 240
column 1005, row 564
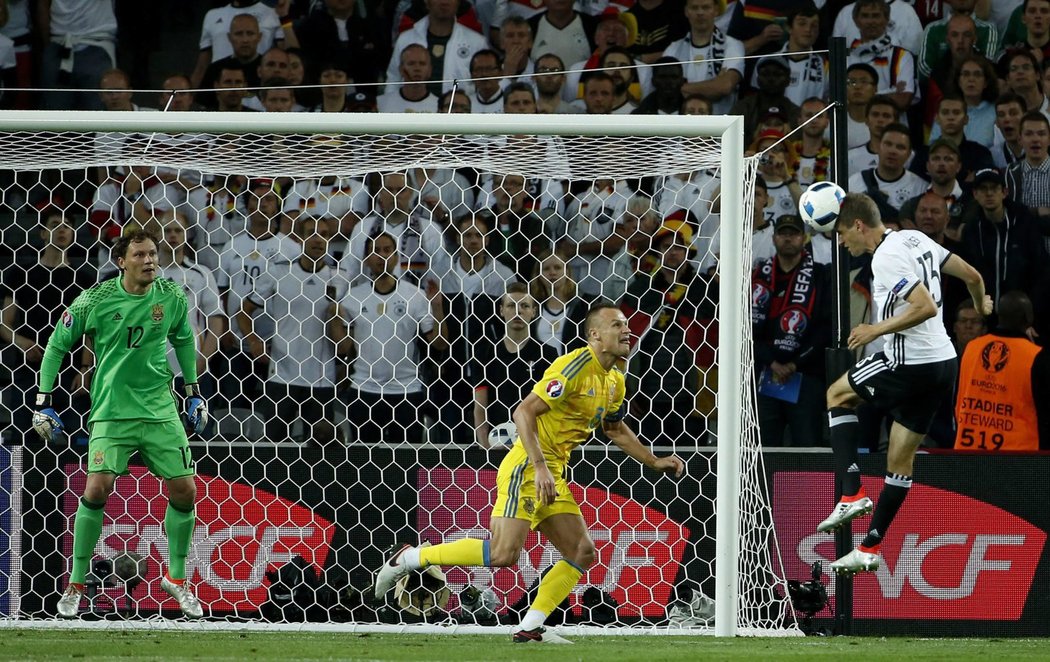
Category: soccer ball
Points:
column 819, row 205
column 503, row 434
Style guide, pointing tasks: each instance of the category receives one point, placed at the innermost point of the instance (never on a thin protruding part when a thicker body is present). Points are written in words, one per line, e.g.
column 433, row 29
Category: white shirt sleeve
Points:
column 894, row 269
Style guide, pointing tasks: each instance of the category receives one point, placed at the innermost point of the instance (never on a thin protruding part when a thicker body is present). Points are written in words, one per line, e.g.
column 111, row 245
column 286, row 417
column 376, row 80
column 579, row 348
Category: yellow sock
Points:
column 556, row 586
column 468, row 551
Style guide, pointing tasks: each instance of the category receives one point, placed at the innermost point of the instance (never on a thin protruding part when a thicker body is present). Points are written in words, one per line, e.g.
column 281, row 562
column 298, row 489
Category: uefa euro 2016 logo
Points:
column 995, row 356
column 793, row 321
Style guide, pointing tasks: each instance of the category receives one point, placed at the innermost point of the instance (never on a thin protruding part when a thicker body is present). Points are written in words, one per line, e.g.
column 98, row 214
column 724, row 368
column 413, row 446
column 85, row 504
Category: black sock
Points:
column 844, row 428
column 890, row 501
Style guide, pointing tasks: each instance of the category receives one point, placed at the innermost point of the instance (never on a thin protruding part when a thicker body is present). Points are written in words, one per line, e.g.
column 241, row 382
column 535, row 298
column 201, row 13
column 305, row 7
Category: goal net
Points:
column 373, row 295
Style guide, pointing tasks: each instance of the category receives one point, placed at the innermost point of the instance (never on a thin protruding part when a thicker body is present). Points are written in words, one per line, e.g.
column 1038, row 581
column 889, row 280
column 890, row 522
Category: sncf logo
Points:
column 241, row 533
column 947, row 556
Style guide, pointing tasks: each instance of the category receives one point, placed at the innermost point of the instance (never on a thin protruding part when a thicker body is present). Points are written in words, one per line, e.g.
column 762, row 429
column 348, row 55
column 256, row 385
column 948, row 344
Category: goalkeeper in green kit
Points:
column 130, row 319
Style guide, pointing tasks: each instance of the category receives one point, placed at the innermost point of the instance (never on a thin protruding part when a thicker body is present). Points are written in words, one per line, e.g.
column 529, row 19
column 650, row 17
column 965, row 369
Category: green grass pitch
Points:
column 166, row 645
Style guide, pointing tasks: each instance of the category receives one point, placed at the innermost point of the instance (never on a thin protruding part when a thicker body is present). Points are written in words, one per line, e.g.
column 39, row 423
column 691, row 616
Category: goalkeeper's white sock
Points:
column 534, row 618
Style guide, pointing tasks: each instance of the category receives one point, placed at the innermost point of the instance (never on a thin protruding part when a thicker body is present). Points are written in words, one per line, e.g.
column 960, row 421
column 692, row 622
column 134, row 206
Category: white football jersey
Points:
column 904, row 260
column 333, row 199
column 419, row 240
column 301, row 353
column 700, row 63
column 385, row 330
column 202, row 295
column 241, row 261
column 898, row 191
column 216, row 28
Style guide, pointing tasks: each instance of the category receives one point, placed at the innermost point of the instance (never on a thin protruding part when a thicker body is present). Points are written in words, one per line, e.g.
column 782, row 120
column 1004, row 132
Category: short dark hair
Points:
column 805, row 8
column 120, row 246
column 591, row 76
column 370, row 241
column 897, row 127
column 859, row 206
column 592, row 314
column 485, row 52
column 882, row 5
column 954, row 97
column 882, row 100
column 1035, row 116
column 519, row 87
column 1015, row 311
column 1012, row 97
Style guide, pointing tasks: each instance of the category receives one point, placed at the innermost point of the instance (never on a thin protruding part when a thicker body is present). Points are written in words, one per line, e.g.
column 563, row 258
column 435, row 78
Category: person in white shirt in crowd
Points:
column 679, row 192
column 241, row 260
column 116, row 91
column 619, row 64
column 594, row 240
column 273, row 65
column 214, row 41
column 890, row 183
column 79, row 46
column 599, row 92
column 882, row 111
column 449, row 46
column 905, row 28
column 549, row 83
column 861, row 82
column 411, row 95
column 876, row 47
column 399, row 214
column 202, row 293
column 615, row 29
column 454, row 101
column 345, row 200
column 713, row 61
column 562, row 308
column 380, row 320
column 515, row 37
column 813, row 149
column 485, row 69
column 1007, row 150
column 177, row 94
column 563, row 31
column 809, row 71
column 300, row 296
column 762, row 247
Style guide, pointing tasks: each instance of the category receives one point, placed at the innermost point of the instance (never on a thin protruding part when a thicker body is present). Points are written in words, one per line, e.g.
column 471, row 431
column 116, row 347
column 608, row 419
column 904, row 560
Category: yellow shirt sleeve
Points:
column 554, row 388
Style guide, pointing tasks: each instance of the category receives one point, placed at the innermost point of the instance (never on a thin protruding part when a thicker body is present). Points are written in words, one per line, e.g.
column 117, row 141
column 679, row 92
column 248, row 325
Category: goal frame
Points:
column 734, row 270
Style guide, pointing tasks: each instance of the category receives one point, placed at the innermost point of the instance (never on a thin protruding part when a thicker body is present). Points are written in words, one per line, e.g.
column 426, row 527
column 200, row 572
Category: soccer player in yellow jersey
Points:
column 580, row 391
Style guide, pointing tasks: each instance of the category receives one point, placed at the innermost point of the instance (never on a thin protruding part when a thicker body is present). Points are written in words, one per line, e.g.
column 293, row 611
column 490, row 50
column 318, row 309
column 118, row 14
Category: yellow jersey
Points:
column 581, row 394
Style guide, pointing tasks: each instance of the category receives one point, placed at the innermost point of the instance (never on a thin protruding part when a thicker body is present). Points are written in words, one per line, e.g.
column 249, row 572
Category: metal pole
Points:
column 839, row 357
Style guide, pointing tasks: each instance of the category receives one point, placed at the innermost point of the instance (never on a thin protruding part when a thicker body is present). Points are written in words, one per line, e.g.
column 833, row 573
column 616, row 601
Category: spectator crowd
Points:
column 420, row 303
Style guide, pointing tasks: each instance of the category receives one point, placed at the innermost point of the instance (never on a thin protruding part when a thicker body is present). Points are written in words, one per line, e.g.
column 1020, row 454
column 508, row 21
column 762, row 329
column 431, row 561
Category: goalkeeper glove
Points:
column 196, row 410
column 46, row 422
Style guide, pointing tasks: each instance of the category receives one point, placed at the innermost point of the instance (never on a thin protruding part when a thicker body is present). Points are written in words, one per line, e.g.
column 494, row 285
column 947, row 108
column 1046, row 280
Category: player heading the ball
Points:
column 909, row 378
column 130, row 319
column 579, row 391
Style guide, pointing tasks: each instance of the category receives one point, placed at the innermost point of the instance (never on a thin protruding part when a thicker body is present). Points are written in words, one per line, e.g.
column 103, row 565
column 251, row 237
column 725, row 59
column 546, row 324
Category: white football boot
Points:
column 846, row 511
column 69, row 603
column 188, row 603
column 393, row 569
column 857, row 561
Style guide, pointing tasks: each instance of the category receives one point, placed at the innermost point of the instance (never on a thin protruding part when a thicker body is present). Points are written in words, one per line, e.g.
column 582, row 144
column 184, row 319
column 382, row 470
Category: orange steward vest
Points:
column 995, row 410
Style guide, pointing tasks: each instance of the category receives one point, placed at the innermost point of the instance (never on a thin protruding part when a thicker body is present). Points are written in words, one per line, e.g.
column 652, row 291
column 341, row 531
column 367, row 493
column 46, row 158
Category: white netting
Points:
column 309, row 458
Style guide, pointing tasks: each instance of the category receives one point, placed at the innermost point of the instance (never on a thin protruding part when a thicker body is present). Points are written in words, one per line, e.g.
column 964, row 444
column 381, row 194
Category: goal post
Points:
column 574, row 148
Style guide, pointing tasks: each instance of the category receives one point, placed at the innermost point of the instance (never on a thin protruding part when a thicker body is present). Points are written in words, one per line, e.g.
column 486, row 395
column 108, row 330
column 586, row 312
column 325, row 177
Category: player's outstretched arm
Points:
column 628, row 442
column 964, row 271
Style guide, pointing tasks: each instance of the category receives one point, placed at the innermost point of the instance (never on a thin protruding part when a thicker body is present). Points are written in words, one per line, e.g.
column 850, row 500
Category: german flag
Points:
column 761, row 13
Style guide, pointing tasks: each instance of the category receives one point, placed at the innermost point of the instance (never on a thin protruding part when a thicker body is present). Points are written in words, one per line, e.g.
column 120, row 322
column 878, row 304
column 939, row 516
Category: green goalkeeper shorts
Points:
column 162, row 446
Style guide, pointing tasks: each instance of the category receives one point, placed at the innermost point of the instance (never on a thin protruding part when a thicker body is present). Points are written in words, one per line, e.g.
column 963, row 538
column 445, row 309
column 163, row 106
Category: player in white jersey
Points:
column 300, row 296
column 909, row 378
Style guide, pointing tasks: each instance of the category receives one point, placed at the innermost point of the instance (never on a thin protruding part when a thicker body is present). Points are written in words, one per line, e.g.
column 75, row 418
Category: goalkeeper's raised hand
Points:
column 46, row 422
column 196, row 417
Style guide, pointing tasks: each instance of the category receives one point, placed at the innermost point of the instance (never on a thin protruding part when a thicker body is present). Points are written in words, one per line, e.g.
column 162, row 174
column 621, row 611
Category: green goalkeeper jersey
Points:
column 130, row 333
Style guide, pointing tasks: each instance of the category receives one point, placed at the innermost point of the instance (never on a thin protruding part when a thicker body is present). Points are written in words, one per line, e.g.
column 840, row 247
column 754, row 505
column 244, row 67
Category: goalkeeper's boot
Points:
column 188, row 603
column 849, row 509
column 69, row 603
column 393, row 569
column 539, row 635
column 862, row 559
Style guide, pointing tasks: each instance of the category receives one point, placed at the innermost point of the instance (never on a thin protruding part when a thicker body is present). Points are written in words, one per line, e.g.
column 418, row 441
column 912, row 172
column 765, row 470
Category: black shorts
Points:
column 911, row 393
